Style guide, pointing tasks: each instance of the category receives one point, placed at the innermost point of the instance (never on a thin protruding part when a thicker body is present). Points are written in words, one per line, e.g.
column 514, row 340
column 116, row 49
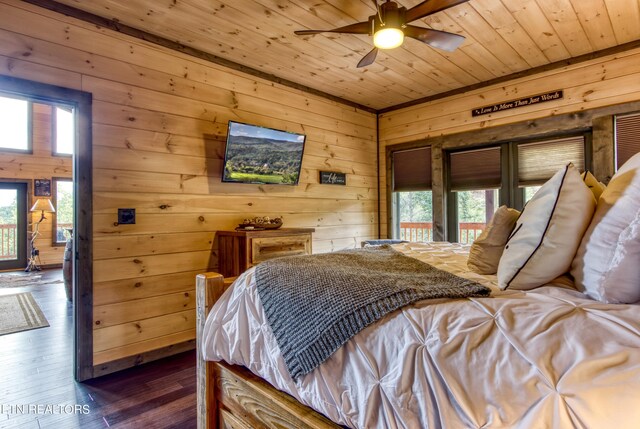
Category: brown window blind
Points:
column 412, row 170
column 475, row 169
column 538, row 161
column 627, row 137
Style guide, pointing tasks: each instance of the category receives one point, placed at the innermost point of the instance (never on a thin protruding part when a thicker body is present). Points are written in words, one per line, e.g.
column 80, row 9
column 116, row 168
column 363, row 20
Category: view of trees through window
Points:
column 8, row 223
column 64, row 209
column 415, row 215
column 475, row 209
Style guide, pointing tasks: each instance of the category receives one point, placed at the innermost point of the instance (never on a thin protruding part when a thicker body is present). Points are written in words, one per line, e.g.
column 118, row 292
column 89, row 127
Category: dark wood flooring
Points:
column 36, row 369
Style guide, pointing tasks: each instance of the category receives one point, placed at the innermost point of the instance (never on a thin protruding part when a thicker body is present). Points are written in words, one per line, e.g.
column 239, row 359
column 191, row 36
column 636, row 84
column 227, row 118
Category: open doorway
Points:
column 53, row 203
column 13, row 225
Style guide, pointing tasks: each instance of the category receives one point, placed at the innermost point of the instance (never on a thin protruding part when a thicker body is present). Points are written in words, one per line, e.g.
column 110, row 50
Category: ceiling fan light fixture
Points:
column 388, row 38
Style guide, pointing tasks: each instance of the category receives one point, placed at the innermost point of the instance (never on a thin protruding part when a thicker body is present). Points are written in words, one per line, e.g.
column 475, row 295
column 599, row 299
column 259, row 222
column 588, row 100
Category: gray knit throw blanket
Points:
column 314, row 304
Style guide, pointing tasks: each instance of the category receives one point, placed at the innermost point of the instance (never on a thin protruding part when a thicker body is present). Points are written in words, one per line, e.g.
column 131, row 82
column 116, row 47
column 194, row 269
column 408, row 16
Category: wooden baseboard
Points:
column 142, row 358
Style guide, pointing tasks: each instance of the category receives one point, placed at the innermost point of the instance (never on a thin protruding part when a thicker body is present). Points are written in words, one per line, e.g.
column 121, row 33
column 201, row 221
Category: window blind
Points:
column 538, row 161
column 475, row 169
column 627, row 137
column 412, row 170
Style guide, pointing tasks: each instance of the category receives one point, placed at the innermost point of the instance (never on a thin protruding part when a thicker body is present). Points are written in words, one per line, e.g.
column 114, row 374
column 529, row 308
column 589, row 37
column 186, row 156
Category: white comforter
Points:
column 545, row 358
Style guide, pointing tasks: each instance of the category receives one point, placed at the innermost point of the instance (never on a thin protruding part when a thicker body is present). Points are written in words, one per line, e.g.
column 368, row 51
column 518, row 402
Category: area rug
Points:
column 20, row 312
column 21, row 279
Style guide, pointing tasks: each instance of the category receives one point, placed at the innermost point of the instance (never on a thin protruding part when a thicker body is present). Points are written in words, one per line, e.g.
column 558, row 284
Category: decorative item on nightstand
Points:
column 42, row 205
column 260, row 223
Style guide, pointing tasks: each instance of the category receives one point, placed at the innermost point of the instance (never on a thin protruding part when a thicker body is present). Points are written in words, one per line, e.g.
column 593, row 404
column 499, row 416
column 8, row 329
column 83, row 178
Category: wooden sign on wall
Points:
column 513, row 104
column 333, row 178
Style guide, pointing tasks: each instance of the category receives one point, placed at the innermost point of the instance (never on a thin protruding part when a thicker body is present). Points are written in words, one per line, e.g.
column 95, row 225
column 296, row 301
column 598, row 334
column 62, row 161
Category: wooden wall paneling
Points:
column 146, row 65
column 122, row 290
column 107, row 203
column 129, row 311
column 595, row 73
column 142, row 330
column 118, row 246
column 150, row 265
column 159, row 131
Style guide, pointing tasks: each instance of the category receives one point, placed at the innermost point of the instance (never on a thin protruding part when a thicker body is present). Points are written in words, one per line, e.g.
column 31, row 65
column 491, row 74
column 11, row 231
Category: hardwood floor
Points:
column 36, row 368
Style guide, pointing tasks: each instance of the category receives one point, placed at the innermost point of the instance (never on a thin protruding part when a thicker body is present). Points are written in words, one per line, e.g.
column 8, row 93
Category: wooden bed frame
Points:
column 230, row 396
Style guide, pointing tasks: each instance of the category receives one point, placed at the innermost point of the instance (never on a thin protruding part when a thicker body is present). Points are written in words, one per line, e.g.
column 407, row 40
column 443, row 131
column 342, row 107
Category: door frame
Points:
column 22, row 223
column 83, row 211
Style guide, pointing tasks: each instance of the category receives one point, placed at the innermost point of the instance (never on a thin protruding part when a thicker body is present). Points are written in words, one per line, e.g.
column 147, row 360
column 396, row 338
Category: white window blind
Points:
column 475, row 169
column 627, row 137
column 538, row 161
column 412, row 170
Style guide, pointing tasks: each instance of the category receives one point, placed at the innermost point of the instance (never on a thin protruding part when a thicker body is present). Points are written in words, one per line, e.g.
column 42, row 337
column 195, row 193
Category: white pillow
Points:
column 607, row 265
column 486, row 250
column 548, row 232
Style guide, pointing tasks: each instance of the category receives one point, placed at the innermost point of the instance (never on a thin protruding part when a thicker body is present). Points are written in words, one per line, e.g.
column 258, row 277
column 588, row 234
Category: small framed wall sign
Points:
column 333, row 178
column 42, row 187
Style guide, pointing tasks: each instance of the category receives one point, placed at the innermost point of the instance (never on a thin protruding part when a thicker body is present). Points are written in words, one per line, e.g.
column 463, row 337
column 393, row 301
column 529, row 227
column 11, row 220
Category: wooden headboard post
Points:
column 209, row 287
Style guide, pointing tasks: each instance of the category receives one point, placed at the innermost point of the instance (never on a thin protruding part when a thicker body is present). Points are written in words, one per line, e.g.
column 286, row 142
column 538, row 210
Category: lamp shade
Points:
column 43, row 204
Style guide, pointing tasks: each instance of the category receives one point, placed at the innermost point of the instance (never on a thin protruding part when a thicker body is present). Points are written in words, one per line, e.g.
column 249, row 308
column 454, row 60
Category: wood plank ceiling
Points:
column 502, row 37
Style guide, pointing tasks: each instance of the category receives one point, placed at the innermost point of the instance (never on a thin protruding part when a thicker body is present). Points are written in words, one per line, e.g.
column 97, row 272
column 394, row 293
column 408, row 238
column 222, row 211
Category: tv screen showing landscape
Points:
column 262, row 155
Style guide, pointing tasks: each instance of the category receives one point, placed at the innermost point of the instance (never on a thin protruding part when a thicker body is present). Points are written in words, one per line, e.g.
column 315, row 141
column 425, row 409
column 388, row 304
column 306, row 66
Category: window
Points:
column 412, row 194
column 63, row 201
column 475, row 177
column 480, row 180
column 627, row 136
column 15, row 120
column 64, row 130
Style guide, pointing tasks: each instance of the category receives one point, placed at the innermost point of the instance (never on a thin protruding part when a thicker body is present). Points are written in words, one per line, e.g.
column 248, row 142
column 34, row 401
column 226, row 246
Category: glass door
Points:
column 13, row 225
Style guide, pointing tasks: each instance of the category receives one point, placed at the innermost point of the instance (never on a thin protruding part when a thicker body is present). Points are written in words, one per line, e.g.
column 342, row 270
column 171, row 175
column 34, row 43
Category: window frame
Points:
column 509, row 193
column 54, row 201
column 393, row 206
column 29, row 149
column 54, row 132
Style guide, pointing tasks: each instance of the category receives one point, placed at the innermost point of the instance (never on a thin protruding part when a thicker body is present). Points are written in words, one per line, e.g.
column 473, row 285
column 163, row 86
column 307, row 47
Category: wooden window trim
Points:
column 54, row 201
column 29, row 149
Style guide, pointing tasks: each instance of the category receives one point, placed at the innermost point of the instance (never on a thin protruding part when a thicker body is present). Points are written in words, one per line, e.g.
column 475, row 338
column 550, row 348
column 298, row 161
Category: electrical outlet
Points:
column 126, row 216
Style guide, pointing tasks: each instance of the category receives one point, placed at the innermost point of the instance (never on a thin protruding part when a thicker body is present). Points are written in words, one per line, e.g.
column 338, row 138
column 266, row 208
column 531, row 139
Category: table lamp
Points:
column 41, row 205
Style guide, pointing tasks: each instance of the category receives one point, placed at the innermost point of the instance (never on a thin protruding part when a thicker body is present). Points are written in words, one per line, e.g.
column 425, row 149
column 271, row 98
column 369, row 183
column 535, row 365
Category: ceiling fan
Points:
column 390, row 25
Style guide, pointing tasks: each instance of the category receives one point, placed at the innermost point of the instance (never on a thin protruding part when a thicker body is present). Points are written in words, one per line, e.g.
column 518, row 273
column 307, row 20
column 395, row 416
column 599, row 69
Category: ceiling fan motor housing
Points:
column 392, row 16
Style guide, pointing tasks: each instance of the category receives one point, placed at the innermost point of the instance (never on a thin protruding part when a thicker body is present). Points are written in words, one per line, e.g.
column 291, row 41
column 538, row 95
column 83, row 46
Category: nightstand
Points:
column 240, row 250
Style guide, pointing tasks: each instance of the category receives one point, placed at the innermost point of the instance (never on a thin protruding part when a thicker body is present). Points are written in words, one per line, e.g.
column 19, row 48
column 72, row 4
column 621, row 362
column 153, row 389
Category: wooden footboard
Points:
column 232, row 397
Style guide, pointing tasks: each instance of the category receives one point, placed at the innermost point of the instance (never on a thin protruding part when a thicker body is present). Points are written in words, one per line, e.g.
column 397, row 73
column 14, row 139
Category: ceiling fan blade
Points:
column 430, row 6
column 357, row 28
column 438, row 39
column 369, row 58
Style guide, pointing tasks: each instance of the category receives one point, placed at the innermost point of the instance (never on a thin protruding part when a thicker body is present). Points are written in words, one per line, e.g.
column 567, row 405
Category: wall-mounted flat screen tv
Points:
column 262, row 155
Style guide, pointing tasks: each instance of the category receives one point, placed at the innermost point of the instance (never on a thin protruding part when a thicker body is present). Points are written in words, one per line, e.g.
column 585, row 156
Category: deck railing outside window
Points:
column 423, row 231
column 8, row 237
column 8, row 243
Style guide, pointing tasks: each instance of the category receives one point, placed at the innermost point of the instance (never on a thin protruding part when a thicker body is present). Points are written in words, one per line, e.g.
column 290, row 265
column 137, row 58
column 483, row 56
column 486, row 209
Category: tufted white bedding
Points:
column 549, row 357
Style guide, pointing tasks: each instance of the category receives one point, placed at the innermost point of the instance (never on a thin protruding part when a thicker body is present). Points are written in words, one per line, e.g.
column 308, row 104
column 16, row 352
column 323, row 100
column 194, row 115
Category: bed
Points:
column 547, row 357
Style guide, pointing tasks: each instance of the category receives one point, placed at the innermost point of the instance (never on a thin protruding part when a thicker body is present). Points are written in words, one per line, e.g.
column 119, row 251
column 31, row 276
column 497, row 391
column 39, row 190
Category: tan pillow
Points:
column 486, row 250
column 592, row 183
